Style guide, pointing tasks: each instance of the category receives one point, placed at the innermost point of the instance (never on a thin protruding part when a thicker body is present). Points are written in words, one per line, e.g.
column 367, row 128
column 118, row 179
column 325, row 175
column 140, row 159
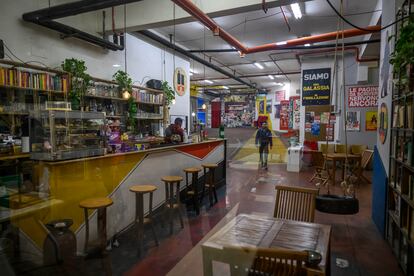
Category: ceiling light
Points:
column 307, row 45
column 191, row 73
column 278, row 83
column 126, row 95
column 193, row 114
column 281, row 43
column 204, row 106
column 296, row 10
column 225, row 87
column 271, row 77
column 208, row 81
column 258, row 65
column 116, row 65
column 173, row 101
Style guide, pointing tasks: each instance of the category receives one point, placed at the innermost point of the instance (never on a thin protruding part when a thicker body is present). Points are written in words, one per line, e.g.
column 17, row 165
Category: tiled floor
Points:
column 248, row 190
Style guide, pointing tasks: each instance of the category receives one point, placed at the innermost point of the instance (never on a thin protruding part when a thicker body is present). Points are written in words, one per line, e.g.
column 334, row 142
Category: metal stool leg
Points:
column 86, row 230
column 204, row 186
column 213, row 181
column 150, row 216
column 171, row 206
column 139, row 215
column 210, row 188
column 178, row 208
column 195, row 196
column 106, row 262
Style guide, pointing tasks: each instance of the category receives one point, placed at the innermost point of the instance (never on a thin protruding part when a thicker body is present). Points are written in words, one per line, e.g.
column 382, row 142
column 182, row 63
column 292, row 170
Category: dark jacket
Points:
column 264, row 137
column 174, row 129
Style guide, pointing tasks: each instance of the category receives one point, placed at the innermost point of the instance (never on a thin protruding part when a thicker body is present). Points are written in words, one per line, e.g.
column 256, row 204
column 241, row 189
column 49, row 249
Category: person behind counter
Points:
column 174, row 133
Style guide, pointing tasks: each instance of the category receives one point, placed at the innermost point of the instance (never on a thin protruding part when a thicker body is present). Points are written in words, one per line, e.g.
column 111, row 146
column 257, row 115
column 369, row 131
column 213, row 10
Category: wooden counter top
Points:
column 158, row 149
column 15, row 156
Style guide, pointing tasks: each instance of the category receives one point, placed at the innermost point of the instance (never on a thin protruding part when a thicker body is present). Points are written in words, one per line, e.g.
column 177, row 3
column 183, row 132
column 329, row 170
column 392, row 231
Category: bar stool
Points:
column 192, row 191
column 140, row 191
column 99, row 204
column 172, row 202
column 209, row 182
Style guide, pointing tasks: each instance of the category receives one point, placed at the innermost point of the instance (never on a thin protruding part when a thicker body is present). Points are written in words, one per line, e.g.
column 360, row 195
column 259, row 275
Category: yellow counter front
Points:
column 64, row 184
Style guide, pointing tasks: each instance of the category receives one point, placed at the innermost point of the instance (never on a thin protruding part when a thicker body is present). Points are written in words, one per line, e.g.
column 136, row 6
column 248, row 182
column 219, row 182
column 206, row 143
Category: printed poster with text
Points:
column 284, row 115
column 371, row 118
column 363, row 96
column 316, row 86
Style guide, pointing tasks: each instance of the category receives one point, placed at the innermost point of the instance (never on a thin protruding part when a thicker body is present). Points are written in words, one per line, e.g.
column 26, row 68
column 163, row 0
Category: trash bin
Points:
column 294, row 159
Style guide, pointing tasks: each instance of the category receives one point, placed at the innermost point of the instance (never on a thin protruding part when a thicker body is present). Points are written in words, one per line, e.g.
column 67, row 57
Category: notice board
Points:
column 316, row 123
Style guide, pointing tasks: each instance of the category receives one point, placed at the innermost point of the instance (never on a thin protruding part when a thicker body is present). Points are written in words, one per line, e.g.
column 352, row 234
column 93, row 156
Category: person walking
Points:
column 264, row 141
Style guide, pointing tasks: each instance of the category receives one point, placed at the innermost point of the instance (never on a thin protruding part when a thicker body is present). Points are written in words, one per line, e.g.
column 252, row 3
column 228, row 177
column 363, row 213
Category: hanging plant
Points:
column 169, row 93
column 80, row 80
column 403, row 54
column 123, row 80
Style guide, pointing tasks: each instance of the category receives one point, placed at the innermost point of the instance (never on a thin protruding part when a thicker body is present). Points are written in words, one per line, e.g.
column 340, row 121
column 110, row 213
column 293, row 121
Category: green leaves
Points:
column 123, row 80
column 404, row 49
column 168, row 92
column 80, row 79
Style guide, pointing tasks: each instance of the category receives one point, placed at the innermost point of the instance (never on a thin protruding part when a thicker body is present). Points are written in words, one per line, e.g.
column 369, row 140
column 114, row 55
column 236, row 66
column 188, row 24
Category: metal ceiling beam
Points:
column 184, row 52
column 252, row 76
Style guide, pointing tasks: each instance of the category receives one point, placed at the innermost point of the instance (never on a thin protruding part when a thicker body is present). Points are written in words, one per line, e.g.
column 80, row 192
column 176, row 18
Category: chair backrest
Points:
column 317, row 158
column 265, row 261
column 330, row 148
column 295, row 203
column 366, row 158
column 340, row 148
column 358, row 149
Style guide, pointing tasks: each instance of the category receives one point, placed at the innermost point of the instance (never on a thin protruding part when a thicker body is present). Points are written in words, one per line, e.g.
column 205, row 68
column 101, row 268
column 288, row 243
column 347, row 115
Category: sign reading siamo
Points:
column 316, row 86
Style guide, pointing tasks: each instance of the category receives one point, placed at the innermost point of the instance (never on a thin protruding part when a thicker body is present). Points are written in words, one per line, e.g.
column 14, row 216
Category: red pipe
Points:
column 355, row 49
column 192, row 9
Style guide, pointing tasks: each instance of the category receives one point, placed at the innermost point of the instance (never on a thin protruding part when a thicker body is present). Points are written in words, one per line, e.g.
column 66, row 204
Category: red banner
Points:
column 363, row 96
column 284, row 115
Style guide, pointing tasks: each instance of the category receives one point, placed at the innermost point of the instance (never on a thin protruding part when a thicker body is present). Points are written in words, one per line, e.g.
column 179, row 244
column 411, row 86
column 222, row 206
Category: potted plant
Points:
column 124, row 82
column 80, row 80
column 169, row 98
column 403, row 56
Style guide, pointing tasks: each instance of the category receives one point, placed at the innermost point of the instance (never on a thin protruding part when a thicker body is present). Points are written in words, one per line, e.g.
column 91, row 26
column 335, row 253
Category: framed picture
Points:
column 353, row 121
column 371, row 118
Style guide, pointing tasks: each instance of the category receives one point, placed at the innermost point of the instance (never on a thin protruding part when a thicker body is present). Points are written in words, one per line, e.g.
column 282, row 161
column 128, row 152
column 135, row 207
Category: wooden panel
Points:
column 318, row 109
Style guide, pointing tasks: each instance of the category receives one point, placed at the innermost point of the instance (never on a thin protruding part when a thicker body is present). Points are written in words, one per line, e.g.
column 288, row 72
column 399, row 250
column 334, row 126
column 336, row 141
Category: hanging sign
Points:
column 284, row 115
column 363, row 96
column 294, row 115
column 316, row 86
column 180, row 81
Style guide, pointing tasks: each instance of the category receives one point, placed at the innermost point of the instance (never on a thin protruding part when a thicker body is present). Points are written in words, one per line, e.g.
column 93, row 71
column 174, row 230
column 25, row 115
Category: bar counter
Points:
column 65, row 183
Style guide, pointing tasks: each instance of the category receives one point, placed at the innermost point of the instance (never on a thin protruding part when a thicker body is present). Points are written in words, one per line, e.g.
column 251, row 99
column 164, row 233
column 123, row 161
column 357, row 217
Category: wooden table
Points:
column 340, row 157
column 264, row 232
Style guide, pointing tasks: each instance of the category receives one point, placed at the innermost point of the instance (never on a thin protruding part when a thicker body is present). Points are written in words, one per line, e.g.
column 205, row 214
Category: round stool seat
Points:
column 172, row 178
column 192, row 170
column 96, row 203
column 209, row 165
column 143, row 189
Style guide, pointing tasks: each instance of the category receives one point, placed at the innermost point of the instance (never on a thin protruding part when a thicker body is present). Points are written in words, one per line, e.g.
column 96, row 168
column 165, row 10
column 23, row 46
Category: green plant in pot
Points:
column 403, row 56
column 124, row 82
column 169, row 98
column 80, row 80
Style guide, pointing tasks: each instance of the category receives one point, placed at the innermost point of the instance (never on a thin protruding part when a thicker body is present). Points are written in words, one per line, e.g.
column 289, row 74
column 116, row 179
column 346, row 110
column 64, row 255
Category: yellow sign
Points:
column 180, row 81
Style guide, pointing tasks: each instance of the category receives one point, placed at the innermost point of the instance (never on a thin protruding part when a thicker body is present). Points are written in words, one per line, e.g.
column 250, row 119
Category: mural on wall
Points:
column 353, row 122
column 284, row 115
column 180, row 81
column 262, row 106
column 269, row 106
column 238, row 111
column 371, row 118
column 363, row 96
column 294, row 110
column 383, row 125
column 316, row 86
column 280, row 96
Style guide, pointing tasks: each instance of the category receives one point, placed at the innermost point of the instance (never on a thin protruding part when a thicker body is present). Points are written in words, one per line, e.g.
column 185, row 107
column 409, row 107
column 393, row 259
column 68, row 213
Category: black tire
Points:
column 334, row 204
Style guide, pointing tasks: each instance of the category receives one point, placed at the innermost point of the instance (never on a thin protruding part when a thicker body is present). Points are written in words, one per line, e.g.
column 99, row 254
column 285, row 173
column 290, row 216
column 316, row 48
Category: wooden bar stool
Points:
column 209, row 182
column 100, row 204
column 192, row 191
column 140, row 219
column 172, row 202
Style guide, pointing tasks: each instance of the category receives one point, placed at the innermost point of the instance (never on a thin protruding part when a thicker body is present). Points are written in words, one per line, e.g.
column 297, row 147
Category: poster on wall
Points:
column 363, row 96
column 269, row 106
column 353, row 122
column 180, row 81
column 330, row 132
column 371, row 118
column 261, row 106
column 284, row 115
column 316, row 86
column 280, row 95
column 294, row 116
column 277, row 111
column 383, row 125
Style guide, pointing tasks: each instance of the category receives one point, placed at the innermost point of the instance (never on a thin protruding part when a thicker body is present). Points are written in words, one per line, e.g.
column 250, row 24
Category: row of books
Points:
column 33, row 80
column 146, row 97
column 403, row 116
column 403, row 149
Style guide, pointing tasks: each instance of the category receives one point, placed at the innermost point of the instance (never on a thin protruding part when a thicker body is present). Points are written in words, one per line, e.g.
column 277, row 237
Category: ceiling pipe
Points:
column 251, row 76
column 192, row 9
column 354, row 49
column 293, row 47
column 184, row 52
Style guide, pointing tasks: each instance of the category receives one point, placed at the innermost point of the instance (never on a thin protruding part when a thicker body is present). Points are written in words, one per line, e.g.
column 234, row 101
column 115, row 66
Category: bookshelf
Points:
column 400, row 192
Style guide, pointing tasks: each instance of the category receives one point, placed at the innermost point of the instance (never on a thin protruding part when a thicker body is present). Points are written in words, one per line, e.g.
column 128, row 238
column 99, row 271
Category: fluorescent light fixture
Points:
column 225, row 87
column 191, row 73
column 116, row 65
column 208, row 81
column 307, row 45
column 278, row 83
column 281, row 43
column 258, row 65
column 271, row 77
column 296, row 10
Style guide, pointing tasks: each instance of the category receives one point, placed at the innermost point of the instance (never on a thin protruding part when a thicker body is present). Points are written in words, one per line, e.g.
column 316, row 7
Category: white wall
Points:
column 30, row 42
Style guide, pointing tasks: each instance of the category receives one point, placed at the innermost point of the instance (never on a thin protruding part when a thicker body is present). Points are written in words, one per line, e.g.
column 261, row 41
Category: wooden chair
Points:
column 321, row 173
column 330, row 148
column 340, row 148
column 359, row 169
column 358, row 149
column 265, row 261
column 295, row 203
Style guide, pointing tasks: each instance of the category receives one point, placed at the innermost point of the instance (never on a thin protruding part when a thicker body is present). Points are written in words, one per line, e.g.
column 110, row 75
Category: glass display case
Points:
column 61, row 135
